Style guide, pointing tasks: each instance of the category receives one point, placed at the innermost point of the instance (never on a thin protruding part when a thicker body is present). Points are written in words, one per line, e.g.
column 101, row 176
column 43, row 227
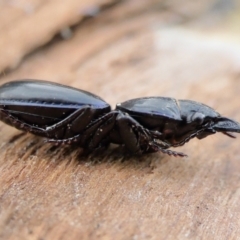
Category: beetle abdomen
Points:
column 42, row 92
column 43, row 102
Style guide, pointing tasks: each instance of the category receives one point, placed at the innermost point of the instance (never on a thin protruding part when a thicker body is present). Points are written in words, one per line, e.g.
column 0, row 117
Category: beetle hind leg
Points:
column 76, row 121
column 13, row 121
column 93, row 136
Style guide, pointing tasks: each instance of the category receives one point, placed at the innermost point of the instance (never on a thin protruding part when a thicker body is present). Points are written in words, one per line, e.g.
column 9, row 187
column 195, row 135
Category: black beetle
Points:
column 64, row 114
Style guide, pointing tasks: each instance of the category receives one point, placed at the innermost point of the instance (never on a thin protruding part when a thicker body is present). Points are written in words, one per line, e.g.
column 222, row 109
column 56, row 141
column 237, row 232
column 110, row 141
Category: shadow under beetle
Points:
column 66, row 115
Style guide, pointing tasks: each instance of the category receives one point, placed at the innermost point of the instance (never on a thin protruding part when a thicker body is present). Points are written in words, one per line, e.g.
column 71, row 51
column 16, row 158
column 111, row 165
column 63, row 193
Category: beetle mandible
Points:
column 66, row 115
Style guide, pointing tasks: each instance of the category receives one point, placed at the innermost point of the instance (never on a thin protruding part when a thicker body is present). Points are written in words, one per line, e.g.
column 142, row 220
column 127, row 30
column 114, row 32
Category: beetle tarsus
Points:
column 155, row 147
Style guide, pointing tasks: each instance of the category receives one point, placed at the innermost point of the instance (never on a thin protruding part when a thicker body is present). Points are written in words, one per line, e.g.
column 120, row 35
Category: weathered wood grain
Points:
column 134, row 49
column 27, row 25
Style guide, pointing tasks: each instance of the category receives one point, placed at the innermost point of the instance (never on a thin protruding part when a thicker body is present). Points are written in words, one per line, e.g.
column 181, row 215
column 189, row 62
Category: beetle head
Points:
column 226, row 126
column 223, row 125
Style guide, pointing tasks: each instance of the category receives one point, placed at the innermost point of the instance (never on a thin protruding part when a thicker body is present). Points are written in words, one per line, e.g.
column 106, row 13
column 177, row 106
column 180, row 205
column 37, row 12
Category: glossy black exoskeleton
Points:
column 67, row 115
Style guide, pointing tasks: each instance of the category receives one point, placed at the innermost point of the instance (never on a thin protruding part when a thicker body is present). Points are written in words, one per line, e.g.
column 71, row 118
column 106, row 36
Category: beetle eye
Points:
column 196, row 117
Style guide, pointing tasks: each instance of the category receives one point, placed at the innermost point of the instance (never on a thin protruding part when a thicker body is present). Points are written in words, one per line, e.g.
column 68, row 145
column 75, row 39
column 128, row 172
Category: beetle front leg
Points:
column 140, row 140
column 135, row 137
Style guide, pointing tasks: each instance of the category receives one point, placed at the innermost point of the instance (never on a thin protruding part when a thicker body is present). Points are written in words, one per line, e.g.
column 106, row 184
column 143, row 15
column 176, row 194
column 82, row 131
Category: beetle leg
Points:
column 82, row 116
column 126, row 125
column 13, row 121
column 139, row 139
column 76, row 121
column 103, row 130
column 193, row 135
column 69, row 141
column 95, row 132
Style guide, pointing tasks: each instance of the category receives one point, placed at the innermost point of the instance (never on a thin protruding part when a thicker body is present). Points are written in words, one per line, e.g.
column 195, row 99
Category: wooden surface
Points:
column 183, row 49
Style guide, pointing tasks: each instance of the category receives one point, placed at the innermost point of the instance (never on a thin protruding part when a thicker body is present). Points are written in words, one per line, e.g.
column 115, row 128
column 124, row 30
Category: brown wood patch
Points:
column 129, row 49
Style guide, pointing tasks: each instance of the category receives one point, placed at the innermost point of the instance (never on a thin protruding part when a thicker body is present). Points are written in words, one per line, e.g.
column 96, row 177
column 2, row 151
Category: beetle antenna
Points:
column 229, row 134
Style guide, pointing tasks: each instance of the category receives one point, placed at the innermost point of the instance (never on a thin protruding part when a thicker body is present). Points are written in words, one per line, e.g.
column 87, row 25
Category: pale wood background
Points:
column 120, row 50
